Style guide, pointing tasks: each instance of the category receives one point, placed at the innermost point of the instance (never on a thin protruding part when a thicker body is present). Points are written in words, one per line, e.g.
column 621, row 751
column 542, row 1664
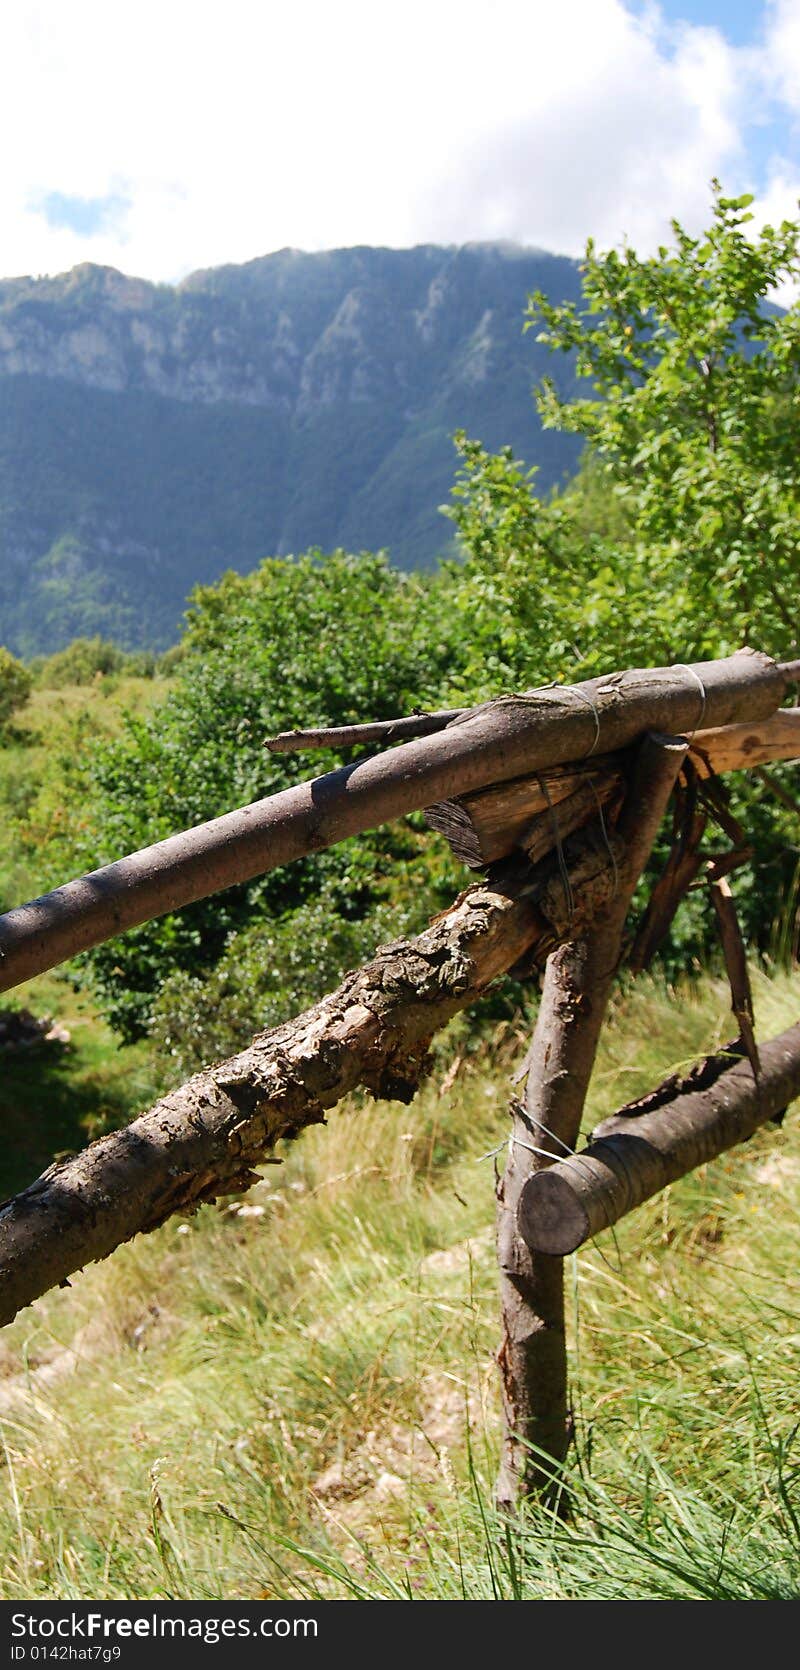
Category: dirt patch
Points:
column 363, row 1492
column 100, row 1338
column 777, row 1170
column 458, row 1257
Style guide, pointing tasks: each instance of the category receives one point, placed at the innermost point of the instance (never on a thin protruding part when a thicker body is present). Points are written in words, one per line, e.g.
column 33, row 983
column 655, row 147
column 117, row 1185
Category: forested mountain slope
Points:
column 153, row 436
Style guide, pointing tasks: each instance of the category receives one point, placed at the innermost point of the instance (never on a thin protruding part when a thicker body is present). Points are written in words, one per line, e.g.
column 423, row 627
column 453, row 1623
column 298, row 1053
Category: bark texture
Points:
column 507, row 737
column 647, row 1145
column 578, row 980
column 489, row 824
column 204, row 1139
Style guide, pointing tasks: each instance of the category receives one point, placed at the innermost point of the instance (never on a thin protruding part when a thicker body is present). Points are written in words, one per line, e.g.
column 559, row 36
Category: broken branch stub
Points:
column 733, row 948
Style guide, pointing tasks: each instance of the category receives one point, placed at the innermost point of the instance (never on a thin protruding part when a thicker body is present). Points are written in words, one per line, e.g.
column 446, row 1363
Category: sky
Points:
column 160, row 136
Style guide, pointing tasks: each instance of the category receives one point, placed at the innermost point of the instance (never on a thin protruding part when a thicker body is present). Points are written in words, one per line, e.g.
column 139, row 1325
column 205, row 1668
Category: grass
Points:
column 42, row 767
column 298, row 1398
column 54, row 1100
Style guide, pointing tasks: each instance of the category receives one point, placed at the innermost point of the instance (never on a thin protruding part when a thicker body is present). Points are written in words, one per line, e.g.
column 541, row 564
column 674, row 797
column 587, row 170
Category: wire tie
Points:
column 577, row 691
column 699, row 682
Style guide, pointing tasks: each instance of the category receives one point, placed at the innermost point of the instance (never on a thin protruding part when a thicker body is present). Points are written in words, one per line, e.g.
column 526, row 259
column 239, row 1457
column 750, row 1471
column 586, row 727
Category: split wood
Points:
column 524, row 813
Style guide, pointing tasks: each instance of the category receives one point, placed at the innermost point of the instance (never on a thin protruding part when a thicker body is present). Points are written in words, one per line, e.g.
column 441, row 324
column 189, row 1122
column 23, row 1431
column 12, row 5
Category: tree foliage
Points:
column 86, row 660
column 538, row 590
column 301, row 641
column 695, row 420
column 680, row 538
column 15, row 686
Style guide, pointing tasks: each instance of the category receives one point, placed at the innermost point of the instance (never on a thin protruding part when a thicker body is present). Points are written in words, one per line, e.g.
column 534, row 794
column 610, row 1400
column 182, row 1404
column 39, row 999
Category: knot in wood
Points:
column 418, row 978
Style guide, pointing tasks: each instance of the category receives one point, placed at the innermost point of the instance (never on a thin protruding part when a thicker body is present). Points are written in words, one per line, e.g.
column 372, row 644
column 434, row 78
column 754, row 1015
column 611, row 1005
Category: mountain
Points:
column 152, row 436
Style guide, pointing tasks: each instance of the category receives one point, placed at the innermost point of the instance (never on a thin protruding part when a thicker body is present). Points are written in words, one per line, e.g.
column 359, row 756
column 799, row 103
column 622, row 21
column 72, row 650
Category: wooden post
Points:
column 577, row 984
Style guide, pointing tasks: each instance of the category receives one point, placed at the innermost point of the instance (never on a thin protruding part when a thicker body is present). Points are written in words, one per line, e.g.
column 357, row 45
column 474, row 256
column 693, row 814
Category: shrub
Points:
column 15, row 686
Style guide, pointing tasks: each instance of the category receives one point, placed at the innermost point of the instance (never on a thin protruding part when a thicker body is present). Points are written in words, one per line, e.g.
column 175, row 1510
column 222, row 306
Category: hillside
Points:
column 296, row 1395
column 151, row 436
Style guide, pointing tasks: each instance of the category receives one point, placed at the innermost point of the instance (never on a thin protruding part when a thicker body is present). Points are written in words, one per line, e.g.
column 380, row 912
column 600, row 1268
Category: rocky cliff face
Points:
column 299, row 399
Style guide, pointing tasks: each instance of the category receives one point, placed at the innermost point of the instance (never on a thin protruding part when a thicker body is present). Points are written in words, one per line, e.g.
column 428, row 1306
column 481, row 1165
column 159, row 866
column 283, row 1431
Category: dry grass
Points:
column 297, row 1395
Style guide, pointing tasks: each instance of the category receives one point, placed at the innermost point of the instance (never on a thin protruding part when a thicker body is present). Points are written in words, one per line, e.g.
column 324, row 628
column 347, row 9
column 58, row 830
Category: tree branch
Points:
column 353, row 736
column 203, row 1140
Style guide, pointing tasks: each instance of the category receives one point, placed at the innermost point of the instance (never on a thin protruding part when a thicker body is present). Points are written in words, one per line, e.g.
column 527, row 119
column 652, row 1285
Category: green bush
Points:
column 15, row 686
column 86, row 659
column 302, row 641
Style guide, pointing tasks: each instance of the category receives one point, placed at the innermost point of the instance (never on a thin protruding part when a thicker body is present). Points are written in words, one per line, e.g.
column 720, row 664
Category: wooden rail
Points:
column 491, row 744
column 516, row 777
column 641, row 1149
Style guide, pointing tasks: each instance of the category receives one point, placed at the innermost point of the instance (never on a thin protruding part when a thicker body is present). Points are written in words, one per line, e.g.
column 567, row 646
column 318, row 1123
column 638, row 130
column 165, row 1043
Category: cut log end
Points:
column 635, row 1154
column 550, row 1218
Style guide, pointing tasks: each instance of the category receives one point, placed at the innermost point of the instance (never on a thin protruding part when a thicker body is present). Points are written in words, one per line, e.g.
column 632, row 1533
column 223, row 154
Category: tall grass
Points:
column 299, row 1398
column 43, row 771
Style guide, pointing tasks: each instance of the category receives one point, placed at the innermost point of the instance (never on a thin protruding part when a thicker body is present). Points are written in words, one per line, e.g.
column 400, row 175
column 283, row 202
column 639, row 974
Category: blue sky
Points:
column 741, row 21
column 88, row 217
column 769, row 124
column 180, row 133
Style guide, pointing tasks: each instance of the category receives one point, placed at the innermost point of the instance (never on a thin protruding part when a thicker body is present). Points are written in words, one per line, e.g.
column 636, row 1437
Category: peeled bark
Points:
column 578, row 981
column 652, row 1143
column 204, row 1139
column 740, row 747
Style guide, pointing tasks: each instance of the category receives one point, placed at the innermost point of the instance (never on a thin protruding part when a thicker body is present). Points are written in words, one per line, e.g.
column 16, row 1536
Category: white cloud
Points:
column 620, row 140
column 780, row 201
column 241, row 128
column 782, row 51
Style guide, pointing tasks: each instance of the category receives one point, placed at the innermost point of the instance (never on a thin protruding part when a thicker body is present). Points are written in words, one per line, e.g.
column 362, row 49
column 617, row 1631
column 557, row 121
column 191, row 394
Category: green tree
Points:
column 15, row 686
column 540, row 587
column 694, row 419
column 301, row 641
column 679, row 538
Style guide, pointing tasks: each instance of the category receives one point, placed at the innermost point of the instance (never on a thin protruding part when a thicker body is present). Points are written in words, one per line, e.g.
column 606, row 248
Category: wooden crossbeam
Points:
column 515, row 734
column 653, row 1142
column 486, row 826
column 203, row 1139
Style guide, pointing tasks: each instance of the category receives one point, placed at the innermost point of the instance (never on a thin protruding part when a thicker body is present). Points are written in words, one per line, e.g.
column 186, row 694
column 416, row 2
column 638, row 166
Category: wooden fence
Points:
column 556, row 796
